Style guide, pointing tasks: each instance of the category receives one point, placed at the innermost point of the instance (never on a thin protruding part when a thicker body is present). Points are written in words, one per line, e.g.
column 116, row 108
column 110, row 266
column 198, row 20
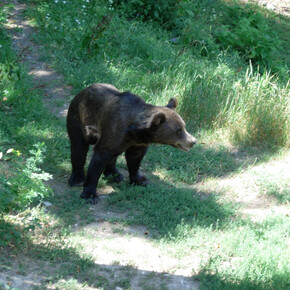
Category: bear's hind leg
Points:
column 79, row 150
column 134, row 156
column 112, row 171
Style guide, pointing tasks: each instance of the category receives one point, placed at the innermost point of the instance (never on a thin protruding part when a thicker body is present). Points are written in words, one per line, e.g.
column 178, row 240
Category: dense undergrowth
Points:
column 226, row 62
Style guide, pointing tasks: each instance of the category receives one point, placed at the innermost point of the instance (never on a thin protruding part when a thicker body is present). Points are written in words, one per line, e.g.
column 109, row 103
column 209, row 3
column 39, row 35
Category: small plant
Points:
column 96, row 32
column 21, row 188
column 8, row 234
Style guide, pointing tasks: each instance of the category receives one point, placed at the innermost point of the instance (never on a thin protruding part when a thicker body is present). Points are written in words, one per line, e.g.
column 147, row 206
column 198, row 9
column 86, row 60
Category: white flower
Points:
column 84, row 6
column 56, row 1
column 63, row 2
column 1, row 45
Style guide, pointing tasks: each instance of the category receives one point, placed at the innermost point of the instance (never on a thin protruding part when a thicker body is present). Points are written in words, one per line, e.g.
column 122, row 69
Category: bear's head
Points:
column 167, row 127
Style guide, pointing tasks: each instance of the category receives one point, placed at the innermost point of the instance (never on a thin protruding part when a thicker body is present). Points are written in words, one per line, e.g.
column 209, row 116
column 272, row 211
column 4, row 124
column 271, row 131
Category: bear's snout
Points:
column 190, row 140
column 186, row 143
column 193, row 141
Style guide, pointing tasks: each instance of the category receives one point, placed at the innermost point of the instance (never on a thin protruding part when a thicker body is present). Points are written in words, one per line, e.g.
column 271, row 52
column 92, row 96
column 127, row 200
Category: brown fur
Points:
column 114, row 123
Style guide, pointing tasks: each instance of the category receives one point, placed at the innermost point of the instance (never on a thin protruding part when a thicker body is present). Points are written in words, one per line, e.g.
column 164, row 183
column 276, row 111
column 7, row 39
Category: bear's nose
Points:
column 193, row 141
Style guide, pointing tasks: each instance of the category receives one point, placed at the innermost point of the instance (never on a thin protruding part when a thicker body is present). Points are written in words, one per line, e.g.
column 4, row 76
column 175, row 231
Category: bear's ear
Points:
column 157, row 120
column 172, row 103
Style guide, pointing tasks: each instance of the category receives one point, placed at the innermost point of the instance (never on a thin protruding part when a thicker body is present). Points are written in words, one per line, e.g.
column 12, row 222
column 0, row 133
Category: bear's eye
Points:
column 178, row 132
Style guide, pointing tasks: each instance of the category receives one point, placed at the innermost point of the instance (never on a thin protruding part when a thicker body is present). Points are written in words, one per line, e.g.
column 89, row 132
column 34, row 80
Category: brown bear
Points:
column 115, row 122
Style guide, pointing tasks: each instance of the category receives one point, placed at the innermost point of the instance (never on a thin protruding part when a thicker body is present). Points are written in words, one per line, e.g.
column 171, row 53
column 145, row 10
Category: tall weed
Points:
column 258, row 111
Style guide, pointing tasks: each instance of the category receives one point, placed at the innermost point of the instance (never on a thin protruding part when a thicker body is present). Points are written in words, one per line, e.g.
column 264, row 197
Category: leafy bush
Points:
column 25, row 185
column 247, row 31
column 211, row 27
column 161, row 10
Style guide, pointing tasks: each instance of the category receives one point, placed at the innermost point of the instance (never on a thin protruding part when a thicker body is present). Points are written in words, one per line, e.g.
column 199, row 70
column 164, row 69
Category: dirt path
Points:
column 45, row 78
column 113, row 248
column 278, row 6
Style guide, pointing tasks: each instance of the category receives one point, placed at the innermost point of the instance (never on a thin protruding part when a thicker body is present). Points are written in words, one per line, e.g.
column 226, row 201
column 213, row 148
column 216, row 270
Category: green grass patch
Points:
column 244, row 257
column 275, row 187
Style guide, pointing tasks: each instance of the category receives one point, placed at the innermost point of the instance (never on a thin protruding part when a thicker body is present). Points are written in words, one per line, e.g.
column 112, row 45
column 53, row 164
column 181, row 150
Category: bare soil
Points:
column 52, row 84
column 277, row 6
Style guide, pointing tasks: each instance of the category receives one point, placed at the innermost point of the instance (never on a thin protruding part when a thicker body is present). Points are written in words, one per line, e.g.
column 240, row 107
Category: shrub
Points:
column 214, row 26
column 248, row 32
column 25, row 185
column 160, row 10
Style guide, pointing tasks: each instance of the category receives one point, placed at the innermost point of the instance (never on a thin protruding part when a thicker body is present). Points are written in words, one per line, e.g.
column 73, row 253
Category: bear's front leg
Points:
column 134, row 156
column 98, row 162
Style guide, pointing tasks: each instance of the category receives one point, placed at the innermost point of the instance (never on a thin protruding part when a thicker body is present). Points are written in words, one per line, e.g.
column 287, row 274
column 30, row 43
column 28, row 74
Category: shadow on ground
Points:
column 67, row 267
column 166, row 203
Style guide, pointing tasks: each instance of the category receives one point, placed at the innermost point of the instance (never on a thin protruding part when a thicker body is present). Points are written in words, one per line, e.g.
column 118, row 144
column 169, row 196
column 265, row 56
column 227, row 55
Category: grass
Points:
column 225, row 100
column 141, row 57
column 261, row 259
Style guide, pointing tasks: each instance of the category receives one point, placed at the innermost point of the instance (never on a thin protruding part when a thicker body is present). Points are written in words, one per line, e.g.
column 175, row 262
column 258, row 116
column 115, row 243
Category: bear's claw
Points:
column 76, row 179
column 139, row 180
column 95, row 199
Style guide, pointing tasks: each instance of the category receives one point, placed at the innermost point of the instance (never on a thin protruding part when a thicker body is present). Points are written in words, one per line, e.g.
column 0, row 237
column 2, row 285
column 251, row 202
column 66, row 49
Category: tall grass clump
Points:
column 258, row 111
